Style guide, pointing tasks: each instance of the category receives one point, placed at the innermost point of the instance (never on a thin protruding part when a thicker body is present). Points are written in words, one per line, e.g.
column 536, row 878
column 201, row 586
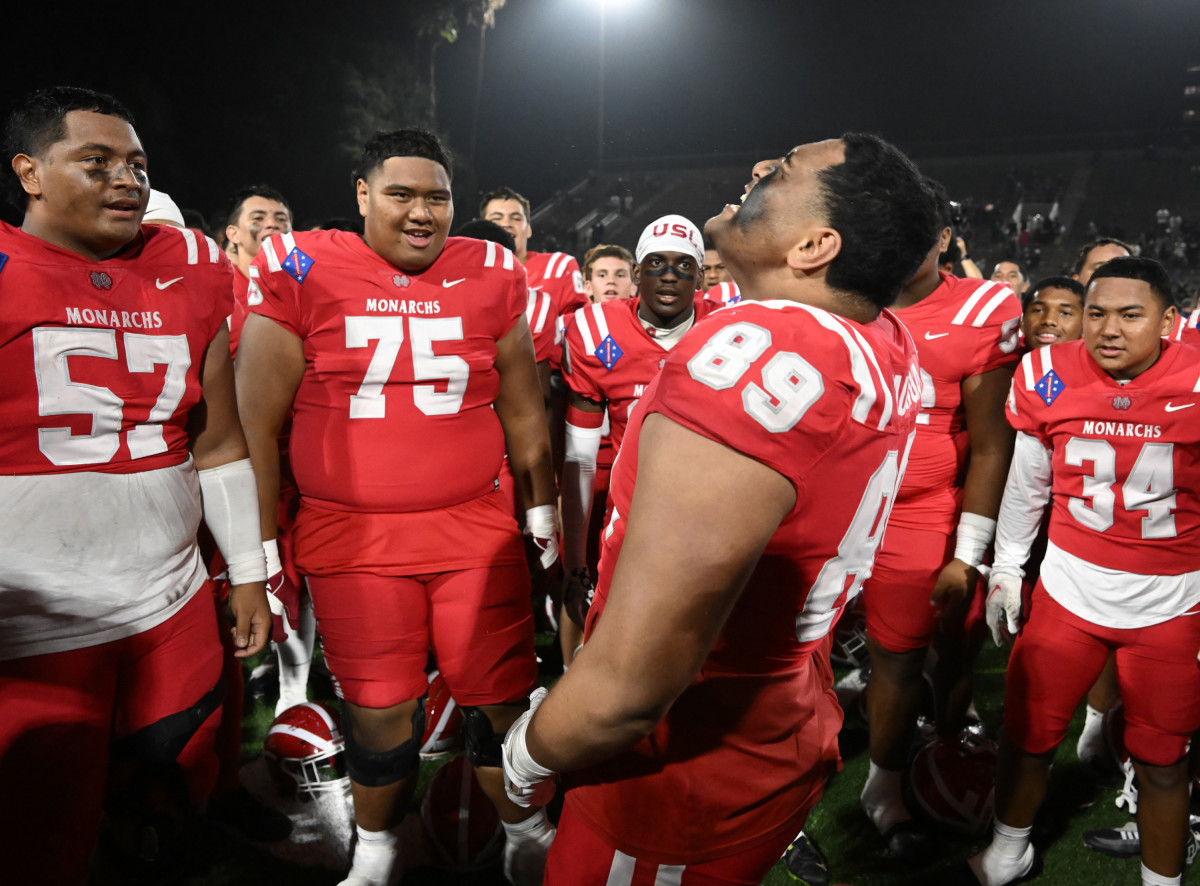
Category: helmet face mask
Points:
column 306, row 745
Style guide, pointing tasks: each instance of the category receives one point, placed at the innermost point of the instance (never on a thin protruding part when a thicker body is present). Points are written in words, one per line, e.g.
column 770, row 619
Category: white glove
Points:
column 1003, row 599
column 527, row 782
column 541, row 525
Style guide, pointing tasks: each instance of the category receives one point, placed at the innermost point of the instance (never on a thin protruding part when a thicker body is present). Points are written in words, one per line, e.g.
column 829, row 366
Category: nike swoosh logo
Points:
column 449, row 283
column 1172, row 408
column 161, row 285
column 929, row 336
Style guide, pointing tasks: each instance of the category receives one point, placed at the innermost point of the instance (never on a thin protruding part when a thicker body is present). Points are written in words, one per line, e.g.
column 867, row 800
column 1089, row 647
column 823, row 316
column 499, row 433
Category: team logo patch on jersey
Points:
column 401, row 280
column 1121, row 403
column 297, row 264
column 1049, row 387
column 608, row 353
column 100, row 280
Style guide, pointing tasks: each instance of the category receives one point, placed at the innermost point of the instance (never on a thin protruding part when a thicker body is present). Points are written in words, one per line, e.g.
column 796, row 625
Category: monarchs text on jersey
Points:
column 393, row 413
column 1126, row 457
column 830, row 405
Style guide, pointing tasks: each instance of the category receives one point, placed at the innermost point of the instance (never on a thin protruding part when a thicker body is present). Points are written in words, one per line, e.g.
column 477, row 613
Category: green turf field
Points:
column 856, row 854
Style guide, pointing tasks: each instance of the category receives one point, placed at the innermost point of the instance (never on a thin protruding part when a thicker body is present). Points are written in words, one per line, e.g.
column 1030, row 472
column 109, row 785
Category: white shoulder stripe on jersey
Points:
column 1197, row 388
column 538, row 309
column 559, row 263
column 886, row 411
column 969, row 305
column 273, row 264
column 858, row 363
column 489, row 259
column 509, row 258
column 1027, row 370
column 996, row 300
column 289, row 243
column 189, row 237
column 585, row 332
column 214, row 251
column 601, row 322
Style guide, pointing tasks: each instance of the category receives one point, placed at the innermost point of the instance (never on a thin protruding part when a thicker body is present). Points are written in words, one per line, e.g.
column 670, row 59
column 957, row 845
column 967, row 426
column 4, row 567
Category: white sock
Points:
column 1149, row 878
column 1091, row 739
column 881, row 798
column 1007, row 857
column 295, row 661
column 376, row 858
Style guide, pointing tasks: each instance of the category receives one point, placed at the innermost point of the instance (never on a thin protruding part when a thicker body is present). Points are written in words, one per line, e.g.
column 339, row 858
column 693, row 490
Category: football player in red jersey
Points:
column 553, row 272
column 120, row 432
column 1092, row 255
column 609, row 273
column 966, row 331
column 611, row 352
column 705, row 683
column 405, row 360
column 1107, row 436
column 255, row 213
column 1052, row 312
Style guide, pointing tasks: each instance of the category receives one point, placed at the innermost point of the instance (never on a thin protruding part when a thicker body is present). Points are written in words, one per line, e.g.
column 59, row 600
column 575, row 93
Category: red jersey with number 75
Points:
column 394, row 411
column 831, row 405
column 1126, row 457
column 101, row 359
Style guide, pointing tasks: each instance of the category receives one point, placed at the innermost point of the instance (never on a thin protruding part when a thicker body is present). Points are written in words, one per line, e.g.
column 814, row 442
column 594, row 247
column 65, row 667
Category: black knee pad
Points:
column 377, row 769
column 163, row 740
column 483, row 744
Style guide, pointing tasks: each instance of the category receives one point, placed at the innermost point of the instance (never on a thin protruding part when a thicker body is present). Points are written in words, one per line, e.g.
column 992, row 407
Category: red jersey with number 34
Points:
column 831, row 405
column 101, row 359
column 1126, row 457
column 394, row 411
column 965, row 327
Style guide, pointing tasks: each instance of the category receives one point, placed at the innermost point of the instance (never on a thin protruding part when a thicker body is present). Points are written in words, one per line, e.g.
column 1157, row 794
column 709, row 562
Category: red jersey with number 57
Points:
column 394, row 411
column 830, row 405
column 965, row 327
column 101, row 359
column 1126, row 457
column 609, row 356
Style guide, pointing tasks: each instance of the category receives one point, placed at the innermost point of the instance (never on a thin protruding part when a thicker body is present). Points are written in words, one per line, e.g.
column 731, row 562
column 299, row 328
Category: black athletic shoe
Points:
column 1121, row 842
column 805, row 863
column 241, row 812
column 910, row 841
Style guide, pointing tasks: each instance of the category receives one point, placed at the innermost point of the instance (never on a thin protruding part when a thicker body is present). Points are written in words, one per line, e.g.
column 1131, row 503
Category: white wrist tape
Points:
column 974, row 535
column 271, row 551
column 541, row 521
column 230, row 501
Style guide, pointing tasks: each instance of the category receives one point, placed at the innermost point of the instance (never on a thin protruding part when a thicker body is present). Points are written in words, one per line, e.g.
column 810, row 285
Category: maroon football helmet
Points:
column 954, row 781
column 461, row 822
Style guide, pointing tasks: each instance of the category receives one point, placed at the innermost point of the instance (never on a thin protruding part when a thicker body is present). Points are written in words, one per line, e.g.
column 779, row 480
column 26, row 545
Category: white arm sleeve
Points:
column 579, row 476
column 230, row 499
column 1026, row 494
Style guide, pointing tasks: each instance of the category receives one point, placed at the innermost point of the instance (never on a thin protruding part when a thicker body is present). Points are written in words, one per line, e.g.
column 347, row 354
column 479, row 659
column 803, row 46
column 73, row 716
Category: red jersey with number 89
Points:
column 1126, row 457
column 101, row 359
column 830, row 404
column 394, row 411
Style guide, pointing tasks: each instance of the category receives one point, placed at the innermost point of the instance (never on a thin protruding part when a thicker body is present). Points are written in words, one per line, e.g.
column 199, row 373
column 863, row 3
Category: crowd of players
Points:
column 377, row 434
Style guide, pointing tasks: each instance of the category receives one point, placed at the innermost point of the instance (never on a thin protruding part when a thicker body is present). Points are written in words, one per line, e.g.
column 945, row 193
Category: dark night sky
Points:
column 223, row 101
